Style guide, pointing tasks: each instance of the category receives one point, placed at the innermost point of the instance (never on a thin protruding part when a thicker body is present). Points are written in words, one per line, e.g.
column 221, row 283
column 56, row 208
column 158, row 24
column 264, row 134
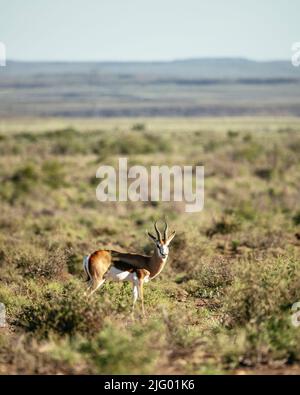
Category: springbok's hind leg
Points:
column 86, row 292
column 94, row 286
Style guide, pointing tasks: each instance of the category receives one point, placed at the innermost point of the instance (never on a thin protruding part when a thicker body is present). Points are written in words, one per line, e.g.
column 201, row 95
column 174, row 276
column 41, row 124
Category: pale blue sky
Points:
column 148, row 29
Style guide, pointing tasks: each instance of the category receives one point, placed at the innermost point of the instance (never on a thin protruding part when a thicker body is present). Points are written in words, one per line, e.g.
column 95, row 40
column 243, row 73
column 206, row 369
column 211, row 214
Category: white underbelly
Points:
column 115, row 274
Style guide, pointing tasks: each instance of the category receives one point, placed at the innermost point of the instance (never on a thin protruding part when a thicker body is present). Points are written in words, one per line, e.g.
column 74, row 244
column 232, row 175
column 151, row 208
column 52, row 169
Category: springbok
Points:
column 104, row 265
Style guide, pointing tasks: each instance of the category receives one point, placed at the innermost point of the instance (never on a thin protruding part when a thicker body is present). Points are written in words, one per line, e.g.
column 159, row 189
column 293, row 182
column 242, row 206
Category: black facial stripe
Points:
column 160, row 250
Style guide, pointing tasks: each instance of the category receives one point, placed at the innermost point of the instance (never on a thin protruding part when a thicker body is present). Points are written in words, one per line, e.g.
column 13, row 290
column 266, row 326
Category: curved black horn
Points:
column 157, row 231
column 166, row 230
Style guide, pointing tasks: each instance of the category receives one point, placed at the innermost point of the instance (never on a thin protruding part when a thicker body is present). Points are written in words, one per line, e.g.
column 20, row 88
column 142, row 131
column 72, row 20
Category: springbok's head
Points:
column 162, row 242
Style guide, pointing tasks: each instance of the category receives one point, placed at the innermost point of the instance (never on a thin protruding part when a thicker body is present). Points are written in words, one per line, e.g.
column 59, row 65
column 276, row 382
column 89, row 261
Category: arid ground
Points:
column 222, row 304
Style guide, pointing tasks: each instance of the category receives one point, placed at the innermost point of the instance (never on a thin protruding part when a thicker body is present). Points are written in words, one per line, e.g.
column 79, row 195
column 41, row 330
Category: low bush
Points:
column 262, row 290
column 40, row 262
column 122, row 351
column 131, row 144
column 53, row 174
column 65, row 311
column 224, row 226
column 23, row 180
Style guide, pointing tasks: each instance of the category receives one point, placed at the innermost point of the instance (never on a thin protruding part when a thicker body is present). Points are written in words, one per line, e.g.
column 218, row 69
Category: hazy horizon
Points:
column 185, row 59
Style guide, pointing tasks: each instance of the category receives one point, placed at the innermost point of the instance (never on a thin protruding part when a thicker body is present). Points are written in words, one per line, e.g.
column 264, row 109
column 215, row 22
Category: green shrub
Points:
column 273, row 342
column 53, row 174
column 68, row 132
column 211, row 146
column 224, row 226
column 67, row 146
column 262, row 290
column 180, row 336
column 116, row 350
column 130, row 144
column 138, row 126
column 264, row 173
column 250, row 152
column 23, row 180
column 247, row 137
column 35, row 262
column 67, row 141
column 296, row 218
column 65, row 311
column 209, row 280
column 232, row 134
column 244, row 212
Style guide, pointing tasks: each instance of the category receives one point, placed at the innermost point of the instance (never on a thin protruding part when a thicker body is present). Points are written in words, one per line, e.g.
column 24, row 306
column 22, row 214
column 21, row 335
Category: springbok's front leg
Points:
column 141, row 294
column 135, row 292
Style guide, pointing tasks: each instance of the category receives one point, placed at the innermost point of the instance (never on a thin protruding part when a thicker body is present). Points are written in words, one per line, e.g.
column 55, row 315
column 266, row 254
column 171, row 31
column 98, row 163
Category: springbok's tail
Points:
column 86, row 267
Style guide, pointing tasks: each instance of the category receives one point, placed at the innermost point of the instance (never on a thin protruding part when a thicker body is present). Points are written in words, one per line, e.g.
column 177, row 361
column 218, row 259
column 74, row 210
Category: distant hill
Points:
column 194, row 68
column 182, row 87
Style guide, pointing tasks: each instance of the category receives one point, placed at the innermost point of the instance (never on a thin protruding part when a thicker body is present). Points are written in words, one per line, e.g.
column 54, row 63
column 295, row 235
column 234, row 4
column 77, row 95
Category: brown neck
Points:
column 156, row 264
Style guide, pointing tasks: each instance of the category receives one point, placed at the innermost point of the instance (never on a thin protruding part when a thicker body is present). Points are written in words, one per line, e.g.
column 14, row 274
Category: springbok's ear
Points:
column 170, row 238
column 153, row 238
